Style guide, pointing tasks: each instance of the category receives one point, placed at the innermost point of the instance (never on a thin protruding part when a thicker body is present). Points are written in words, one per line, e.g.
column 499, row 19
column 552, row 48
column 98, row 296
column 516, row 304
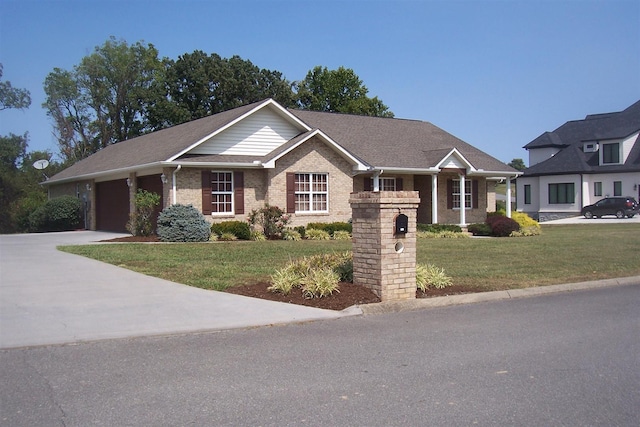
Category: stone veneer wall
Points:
column 377, row 263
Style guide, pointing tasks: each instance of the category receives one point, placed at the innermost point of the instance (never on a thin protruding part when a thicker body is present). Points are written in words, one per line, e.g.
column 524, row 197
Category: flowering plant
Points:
column 271, row 219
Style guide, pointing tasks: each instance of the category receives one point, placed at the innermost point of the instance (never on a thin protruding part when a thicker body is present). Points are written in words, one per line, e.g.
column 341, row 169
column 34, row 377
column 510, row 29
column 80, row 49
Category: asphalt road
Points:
column 567, row 359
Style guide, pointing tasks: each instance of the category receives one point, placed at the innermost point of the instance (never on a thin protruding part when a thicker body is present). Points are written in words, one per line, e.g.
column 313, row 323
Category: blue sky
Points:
column 494, row 73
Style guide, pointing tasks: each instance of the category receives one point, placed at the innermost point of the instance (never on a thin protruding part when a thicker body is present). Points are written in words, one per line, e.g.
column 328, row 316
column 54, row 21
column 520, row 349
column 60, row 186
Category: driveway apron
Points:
column 52, row 297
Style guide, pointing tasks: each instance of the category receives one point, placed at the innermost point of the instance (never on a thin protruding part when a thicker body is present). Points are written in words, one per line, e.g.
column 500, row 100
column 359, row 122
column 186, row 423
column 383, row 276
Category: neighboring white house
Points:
column 580, row 163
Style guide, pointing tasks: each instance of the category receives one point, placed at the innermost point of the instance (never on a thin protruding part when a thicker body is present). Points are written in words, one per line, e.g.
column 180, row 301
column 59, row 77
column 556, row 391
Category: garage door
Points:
column 112, row 205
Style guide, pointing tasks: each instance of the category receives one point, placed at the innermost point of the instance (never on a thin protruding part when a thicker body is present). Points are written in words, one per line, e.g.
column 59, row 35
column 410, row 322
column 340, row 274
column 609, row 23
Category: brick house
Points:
column 306, row 162
column 581, row 162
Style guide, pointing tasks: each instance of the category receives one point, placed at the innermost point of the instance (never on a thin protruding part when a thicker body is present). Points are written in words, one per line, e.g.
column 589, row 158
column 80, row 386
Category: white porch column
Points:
column 434, row 199
column 508, row 197
column 463, row 201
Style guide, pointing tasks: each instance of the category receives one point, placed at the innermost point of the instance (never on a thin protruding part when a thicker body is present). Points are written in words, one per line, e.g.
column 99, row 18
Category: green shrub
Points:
column 483, row 229
column 141, row 220
column 445, row 234
column 291, row 234
column 240, row 229
column 300, row 229
column 271, row 219
column 438, row 228
column 315, row 234
column 318, row 283
column 59, row 214
column 341, row 235
column 330, row 227
column 182, row 223
column 428, row 275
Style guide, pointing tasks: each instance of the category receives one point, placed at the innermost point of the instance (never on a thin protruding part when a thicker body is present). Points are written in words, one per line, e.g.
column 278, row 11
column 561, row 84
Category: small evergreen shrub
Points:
column 239, row 229
column 182, row 223
column 59, row 214
column 428, row 275
column 483, row 229
column 300, row 229
column 141, row 220
column 341, row 235
column 445, row 234
column 271, row 219
column 437, row 228
column 330, row 227
column 501, row 226
column 315, row 234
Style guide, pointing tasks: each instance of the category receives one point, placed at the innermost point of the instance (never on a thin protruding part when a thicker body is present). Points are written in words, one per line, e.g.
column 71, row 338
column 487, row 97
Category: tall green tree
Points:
column 104, row 99
column 197, row 85
column 517, row 164
column 338, row 91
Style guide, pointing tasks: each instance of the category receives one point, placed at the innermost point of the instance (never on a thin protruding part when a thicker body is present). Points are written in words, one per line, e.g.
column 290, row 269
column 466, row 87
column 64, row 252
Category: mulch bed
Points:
column 350, row 294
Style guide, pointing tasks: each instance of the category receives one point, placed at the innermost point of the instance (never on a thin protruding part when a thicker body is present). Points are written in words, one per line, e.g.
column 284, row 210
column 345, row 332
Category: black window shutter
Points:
column 474, row 194
column 399, row 184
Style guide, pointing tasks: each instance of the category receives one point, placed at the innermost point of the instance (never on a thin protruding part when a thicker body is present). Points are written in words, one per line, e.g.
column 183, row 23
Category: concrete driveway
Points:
column 604, row 220
column 51, row 297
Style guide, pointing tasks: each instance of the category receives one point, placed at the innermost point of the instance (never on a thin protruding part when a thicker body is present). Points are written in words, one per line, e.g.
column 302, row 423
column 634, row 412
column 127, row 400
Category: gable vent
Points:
column 590, row 147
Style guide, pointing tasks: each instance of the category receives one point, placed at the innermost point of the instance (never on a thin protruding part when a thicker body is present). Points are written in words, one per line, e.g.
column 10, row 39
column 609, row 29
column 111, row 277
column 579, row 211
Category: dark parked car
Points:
column 618, row 206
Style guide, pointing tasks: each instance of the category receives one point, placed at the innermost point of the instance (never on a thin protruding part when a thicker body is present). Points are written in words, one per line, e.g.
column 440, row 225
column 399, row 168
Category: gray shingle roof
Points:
column 386, row 142
column 377, row 142
column 571, row 136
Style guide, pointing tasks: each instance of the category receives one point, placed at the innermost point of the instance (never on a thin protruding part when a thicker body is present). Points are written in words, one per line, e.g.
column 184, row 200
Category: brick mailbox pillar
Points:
column 384, row 256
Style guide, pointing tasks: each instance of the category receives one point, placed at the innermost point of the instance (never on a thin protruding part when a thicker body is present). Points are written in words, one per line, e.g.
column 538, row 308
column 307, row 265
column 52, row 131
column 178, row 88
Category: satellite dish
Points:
column 41, row 164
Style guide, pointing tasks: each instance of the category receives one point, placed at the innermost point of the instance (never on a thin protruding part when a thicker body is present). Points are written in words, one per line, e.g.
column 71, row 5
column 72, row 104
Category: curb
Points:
column 422, row 303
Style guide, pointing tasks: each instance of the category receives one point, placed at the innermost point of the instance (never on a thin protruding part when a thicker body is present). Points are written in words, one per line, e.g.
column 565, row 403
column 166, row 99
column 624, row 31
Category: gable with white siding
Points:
column 257, row 135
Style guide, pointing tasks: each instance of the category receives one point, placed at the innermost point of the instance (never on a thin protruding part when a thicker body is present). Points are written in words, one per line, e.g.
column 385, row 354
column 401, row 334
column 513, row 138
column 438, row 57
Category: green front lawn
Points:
column 562, row 254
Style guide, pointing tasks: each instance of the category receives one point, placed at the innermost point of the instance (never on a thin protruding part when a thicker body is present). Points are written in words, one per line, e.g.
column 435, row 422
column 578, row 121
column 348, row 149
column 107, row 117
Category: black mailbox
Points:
column 402, row 224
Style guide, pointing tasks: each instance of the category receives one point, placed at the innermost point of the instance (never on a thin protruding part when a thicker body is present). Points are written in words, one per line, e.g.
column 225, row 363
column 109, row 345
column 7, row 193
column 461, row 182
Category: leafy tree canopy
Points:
column 517, row 164
column 11, row 97
column 338, row 91
column 104, row 99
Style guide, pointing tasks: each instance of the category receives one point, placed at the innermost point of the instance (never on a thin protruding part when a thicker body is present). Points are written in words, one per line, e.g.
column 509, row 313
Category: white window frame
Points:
column 312, row 192
column 455, row 194
column 603, row 149
column 229, row 193
column 386, row 183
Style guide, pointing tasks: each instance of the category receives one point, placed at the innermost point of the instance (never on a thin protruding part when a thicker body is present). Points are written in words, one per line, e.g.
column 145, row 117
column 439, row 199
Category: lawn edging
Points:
column 421, row 303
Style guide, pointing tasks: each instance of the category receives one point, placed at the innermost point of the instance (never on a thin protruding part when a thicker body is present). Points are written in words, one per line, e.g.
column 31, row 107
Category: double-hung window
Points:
column 311, row 192
column 457, row 196
column 221, row 192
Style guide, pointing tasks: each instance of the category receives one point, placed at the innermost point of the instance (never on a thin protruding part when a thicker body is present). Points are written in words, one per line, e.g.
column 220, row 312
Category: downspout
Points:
column 174, row 185
column 508, row 201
